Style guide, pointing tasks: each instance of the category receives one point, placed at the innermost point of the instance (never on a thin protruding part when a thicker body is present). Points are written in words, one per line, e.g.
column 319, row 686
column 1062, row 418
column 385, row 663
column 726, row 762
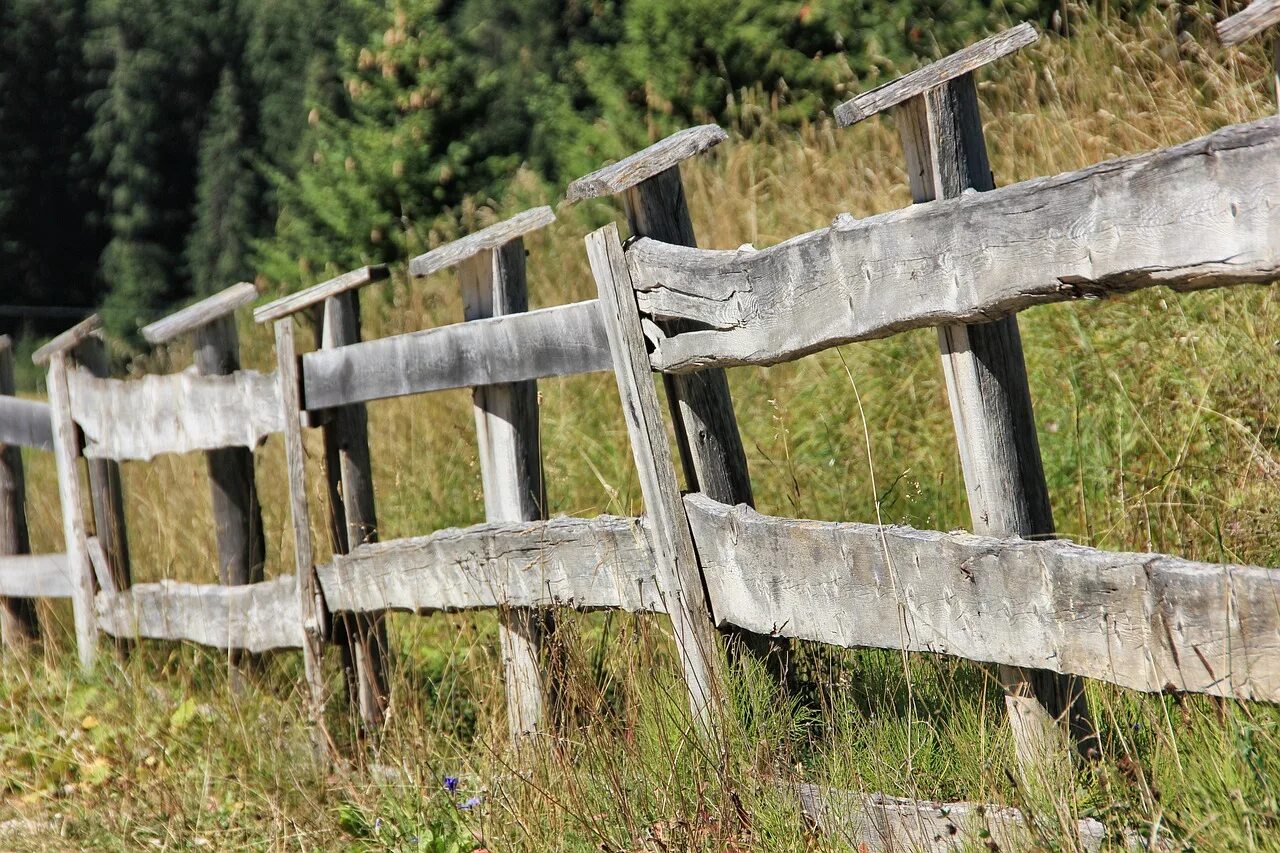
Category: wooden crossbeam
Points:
column 200, row 314
column 652, row 161
column 317, row 294
column 1257, row 17
column 485, row 240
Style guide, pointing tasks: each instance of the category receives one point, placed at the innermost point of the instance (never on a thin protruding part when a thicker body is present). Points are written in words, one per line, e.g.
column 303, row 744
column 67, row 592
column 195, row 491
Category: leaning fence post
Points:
column 491, row 274
column 237, row 516
column 1257, row 18
column 18, row 623
column 362, row 637
column 66, row 451
column 706, row 429
column 676, row 560
column 986, row 376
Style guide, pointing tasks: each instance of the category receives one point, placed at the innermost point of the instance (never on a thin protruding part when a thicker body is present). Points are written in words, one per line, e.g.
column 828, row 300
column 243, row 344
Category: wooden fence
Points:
column 964, row 259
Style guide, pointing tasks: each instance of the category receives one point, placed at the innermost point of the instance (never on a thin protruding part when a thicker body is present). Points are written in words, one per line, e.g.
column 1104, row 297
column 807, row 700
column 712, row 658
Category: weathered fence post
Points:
column 986, row 376
column 237, row 516
column 66, row 450
column 18, row 623
column 362, row 637
column 701, row 406
column 1258, row 17
column 491, row 274
column 676, row 560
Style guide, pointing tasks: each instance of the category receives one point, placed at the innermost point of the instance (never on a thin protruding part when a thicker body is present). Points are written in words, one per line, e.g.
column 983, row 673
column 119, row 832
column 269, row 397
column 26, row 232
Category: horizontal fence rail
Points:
column 173, row 413
column 35, row 576
column 560, row 341
column 25, row 423
column 1193, row 216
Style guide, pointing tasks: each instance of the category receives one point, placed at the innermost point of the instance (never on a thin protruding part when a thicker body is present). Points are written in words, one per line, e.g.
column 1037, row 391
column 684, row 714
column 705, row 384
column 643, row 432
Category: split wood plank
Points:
column 559, row 341
column 493, row 285
column 18, row 623
column 317, row 294
column 68, row 340
column 25, row 423
column 173, row 413
column 652, row 161
column 26, row 576
column 586, row 564
column 201, row 314
column 1193, row 216
column 485, row 240
column 680, row 580
column 254, row 617
column 935, row 74
column 1258, row 16
column 1148, row 622
column 362, row 637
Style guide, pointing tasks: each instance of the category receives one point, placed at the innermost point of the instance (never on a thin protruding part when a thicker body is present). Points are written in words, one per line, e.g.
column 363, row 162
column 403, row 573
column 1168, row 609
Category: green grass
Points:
column 1158, row 425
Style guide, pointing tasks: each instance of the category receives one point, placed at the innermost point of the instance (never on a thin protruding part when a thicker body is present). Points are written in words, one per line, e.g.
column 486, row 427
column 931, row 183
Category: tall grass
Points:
column 1158, row 426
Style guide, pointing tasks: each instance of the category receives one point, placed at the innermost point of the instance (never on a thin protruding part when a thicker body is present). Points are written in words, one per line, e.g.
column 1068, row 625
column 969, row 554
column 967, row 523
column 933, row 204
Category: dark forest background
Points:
column 156, row 150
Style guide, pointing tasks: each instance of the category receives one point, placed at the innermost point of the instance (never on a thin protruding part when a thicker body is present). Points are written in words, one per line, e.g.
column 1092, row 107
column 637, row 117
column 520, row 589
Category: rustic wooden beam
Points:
column 649, row 163
column 174, row 413
column 25, row 423
column 25, row 576
column 361, row 637
column 1258, row 16
column 485, row 240
column 68, row 340
column 493, row 285
column 1193, row 216
column 560, row 341
column 19, row 626
column 200, row 314
column 291, row 304
column 586, row 564
column 680, row 580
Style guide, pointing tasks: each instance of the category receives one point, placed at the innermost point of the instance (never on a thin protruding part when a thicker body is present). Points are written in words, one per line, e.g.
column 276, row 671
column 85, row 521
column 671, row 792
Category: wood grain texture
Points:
column 67, row 340
column 66, row 452
column 485, row 240
column 26, row 576
column 990, row 401
column 173, row 413
column 586, row 564
column 252, row 617
column 106, row 486
column 560, row 341
column 922, row 80
column 493, row 285
column 679, row 578
column 19, row 626
column 1145, row 621
column 361, row 637
column 1258, row 16
column 25, row 423
column 311, row 611
column 317, row 294
column 654, row 160
column 1193, row 216
column 200, row 314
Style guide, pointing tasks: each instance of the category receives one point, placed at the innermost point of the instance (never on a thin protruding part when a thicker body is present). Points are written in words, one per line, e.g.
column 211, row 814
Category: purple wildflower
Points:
column 470, row 803
column 451, row 783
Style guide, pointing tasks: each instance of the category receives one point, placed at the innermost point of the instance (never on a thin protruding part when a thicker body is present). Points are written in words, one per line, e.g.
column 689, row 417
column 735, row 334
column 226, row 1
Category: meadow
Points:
column 1159, row 424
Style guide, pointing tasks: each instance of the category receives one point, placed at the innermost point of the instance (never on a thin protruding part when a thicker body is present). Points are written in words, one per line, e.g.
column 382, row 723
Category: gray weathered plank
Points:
column 560, row 341
column 654, row 160
column 67, row 340
column 1144, row 621
column 35, row 576
column 316, row 294
column 1244, row 25
column 486, row 239
column 935, row 74
column 173, row 413
column 680, row 580
column 25, row 423
column 200, row 314
column 586, row 564
column 253, row 617
column 1193, row 216
column 493, row 284
column 19, row 625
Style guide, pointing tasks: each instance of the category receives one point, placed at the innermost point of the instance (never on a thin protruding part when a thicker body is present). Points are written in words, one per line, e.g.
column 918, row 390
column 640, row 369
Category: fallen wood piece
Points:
column 1144, row 621
column 587, row 564
column 35, row 576
column 485, row 240
column 1244, row 25
column 256, row 617
column 200, row 314
column 25, row 423
column 1193, row 216
column 173, row 413
column 560, row 341
column 316, row 294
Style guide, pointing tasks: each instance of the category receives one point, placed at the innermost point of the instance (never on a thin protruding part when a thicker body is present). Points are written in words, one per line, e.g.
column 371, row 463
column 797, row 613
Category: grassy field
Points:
column 1158, row 422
